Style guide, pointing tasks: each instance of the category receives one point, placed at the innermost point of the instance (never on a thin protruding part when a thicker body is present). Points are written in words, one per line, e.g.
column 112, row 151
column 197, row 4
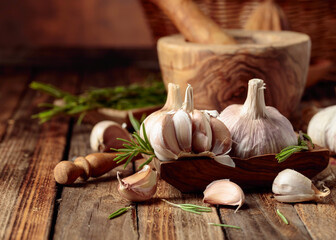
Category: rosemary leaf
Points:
column 282, row 216
column 190, row 207
column 119, row 212
column 288, row 151
column 224, row 225
column 135, row 123
column 147, row 162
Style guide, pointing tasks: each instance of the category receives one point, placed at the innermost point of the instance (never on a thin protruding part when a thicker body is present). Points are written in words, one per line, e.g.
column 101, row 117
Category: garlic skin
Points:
column 255, row 128
column 178, row 130
column 224, row 192
column 103, row 136
column 322, row 128
column 140, row 186
column 291, row 186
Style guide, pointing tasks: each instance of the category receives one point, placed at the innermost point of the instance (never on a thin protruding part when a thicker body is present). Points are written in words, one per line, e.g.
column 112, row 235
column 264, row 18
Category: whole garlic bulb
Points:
column 255, row 128
column 178, row 130
column 322, row 128
column 292, row 186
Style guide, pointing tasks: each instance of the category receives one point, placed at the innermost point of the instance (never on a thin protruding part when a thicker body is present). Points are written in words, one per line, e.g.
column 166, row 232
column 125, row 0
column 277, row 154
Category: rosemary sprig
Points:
column 283, row 218
column 303, row 141
column 119, row 212
column 190, row 207
column 224, row 225
column 134, row 147
column 121, row 97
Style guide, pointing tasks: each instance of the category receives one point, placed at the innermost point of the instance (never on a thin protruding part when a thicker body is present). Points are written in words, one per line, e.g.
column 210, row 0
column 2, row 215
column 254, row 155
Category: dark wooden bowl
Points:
column 194, row 174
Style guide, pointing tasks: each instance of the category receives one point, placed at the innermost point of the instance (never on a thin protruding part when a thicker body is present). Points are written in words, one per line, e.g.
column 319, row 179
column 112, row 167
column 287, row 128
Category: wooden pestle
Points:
column 93, row 165
column 193, row 24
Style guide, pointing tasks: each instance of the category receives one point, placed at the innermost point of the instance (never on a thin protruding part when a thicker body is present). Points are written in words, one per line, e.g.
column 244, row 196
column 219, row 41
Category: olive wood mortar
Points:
column 194, row 174
column 219, row 73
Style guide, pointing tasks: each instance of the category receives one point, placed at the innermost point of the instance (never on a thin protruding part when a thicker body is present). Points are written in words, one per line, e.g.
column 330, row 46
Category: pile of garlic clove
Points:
column 178, row 130
column 255, row 128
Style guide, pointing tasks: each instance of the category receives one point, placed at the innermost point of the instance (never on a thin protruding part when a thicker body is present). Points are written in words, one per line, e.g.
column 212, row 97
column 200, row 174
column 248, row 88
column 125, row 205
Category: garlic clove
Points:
column 202, row 134
column 163, row 138
column 224, row 192
column 183, row 129
column 291, row 186
column 140, row 186
column 104, row 136
column 221, row 137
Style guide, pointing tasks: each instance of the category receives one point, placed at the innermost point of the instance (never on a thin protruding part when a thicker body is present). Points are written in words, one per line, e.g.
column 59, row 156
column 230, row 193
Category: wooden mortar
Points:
column 219, row 73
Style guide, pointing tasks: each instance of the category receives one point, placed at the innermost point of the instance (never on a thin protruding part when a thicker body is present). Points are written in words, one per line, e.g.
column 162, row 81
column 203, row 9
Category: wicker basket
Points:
column 315, row 18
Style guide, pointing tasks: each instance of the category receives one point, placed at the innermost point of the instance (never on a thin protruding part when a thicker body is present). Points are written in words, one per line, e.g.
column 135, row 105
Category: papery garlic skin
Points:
column 224, row 192
column 322, row 128
column 140, row 186
column 291, row 186
column 255, row 128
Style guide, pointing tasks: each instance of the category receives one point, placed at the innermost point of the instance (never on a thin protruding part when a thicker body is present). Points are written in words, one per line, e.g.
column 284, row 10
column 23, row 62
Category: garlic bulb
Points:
column 292, row 186
column 178, row 130
column 224, row 192
column 255, row 128
column 322, row 128
column 140, row 186
column 104, row 136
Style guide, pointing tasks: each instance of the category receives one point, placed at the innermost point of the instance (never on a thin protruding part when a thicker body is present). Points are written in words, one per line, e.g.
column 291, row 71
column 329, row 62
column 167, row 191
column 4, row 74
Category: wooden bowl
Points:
column 219, row 73
column 193, row 175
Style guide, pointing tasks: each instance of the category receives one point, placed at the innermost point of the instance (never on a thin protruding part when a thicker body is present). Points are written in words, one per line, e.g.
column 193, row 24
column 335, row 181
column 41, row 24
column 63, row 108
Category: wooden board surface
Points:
column 33, row 206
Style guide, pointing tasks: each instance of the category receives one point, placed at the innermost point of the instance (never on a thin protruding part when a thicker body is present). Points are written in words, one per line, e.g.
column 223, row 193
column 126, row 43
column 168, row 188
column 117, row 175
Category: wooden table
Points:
column 33, row 206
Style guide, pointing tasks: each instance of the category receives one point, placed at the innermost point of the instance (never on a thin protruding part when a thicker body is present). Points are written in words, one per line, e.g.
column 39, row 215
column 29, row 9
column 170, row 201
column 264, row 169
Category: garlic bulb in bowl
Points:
column 178, row 130
column 255, row 128
column 322, row 128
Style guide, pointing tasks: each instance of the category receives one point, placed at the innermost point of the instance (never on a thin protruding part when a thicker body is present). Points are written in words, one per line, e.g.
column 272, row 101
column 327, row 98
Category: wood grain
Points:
column 28, row 154
column 194, row 174
column 85, row 207
column 258, row 216
column 219, row 73
column 158, row 220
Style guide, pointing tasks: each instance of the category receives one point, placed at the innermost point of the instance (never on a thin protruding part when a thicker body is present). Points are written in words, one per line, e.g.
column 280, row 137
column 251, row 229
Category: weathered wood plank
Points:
column 319, row 218
column 258, row 220
column 12, row 86
column 28, row 153
column 85, row 207
column 159, row 220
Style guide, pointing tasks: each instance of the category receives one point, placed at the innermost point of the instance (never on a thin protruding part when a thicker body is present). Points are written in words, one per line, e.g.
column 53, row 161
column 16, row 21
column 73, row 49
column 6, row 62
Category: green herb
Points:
column 190, row 207
column 134, row 147
column 150, row 93
column 282, row 216
column 119, row 212
column 303, row 145
column 224, row 225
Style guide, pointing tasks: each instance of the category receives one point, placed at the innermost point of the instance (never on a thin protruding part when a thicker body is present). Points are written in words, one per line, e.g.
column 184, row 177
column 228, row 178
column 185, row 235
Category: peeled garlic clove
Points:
column 140, row 186
column 224, row 192
column 291, row 186
column 104, row 136
column 202, row 134
column 183, row 129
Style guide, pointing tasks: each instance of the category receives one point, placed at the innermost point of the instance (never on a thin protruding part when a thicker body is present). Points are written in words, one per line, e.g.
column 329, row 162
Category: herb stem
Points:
column 119, row 212
column 283, row 218
column 224, row 225
column 190, row 207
